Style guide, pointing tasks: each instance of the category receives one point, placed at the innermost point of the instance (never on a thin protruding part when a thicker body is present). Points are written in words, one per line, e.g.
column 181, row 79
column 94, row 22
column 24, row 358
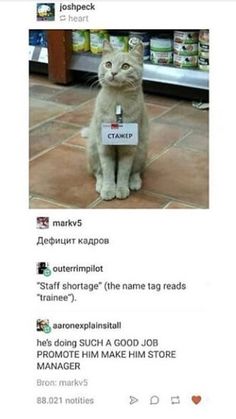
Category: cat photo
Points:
column 118, row 168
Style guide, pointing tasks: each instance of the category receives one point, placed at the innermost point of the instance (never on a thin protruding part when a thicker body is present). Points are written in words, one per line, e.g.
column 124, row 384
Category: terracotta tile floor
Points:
column 176, row 176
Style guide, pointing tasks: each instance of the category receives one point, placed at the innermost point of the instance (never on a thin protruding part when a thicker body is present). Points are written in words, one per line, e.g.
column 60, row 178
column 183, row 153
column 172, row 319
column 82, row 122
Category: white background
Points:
column 197, row 245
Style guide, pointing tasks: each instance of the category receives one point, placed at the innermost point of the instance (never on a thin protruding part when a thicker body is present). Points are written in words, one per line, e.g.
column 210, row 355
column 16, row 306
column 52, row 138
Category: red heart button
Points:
column 196, row 399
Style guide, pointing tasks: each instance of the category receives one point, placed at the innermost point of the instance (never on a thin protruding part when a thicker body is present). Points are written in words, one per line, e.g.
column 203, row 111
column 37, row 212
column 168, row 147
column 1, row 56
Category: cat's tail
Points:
column 84, row 132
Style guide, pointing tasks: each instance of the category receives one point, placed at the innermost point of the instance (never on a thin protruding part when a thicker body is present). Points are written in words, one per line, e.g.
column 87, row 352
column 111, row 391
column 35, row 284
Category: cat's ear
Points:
column 137, row 52
column 107, row 48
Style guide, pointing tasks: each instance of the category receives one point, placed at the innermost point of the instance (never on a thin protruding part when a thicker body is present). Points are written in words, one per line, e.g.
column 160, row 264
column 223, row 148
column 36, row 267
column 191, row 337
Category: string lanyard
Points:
column 119, row 114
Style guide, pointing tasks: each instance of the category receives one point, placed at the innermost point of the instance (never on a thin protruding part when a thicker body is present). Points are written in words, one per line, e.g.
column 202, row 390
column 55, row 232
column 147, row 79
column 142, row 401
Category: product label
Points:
column 80, row 41
column 119, row 42
column 31, row 51
column 161, row 57
column 186, row 37
column 43, row 56
column 184, row 62
column 96, row 41
column 185, row 49
column 203, row 47
column 161, row 45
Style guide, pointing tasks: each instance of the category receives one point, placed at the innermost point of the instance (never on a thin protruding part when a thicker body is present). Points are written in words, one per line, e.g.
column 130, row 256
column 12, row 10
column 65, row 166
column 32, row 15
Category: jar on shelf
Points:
column 161, row 49
column 97, row 38
column 135, row 37
column 203, row 50
column 119, row 40
column 80, row 40
column 204, row 36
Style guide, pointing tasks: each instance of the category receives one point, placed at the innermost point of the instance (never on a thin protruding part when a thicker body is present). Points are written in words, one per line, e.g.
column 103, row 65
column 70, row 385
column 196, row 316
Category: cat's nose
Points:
column 114, row 73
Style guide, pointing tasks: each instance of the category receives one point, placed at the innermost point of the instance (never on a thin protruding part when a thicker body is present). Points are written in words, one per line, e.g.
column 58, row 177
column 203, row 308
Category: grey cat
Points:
column 118, row 168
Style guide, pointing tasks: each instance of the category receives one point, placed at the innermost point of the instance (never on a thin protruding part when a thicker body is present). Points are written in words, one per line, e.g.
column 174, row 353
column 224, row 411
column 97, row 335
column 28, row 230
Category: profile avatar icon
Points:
column 43, row 269
column 43, row 326
column 42, row 222
column 45, row 11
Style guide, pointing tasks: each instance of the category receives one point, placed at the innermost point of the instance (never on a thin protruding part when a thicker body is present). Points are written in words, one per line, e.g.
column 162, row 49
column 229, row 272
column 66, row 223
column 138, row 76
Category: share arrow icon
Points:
column 133, row 400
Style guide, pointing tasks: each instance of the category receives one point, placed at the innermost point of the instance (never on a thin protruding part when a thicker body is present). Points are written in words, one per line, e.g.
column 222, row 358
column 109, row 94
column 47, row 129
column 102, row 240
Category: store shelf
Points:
column 193, row 78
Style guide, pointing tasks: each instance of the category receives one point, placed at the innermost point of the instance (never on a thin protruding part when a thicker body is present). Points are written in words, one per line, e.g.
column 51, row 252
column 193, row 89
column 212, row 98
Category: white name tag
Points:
column 119, row 134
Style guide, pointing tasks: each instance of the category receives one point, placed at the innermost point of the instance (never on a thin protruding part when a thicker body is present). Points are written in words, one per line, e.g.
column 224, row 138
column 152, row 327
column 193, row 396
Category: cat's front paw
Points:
column 108, row 193
column 99, row 184
column 122, row 192
column 135, row 182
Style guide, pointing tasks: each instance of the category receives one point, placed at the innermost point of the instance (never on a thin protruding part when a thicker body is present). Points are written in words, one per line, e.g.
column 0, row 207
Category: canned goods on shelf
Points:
column 203, row 47
column 204, row 54
column 161, row 43
column 186, row 37
column 185, row 49
column 204, row 36
column 203, row 63
column 183, row 61
column 161, row 58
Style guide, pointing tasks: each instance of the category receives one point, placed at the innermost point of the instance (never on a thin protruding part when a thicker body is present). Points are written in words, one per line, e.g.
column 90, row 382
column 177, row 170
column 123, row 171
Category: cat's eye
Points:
column 125, row 66
column 108, row 64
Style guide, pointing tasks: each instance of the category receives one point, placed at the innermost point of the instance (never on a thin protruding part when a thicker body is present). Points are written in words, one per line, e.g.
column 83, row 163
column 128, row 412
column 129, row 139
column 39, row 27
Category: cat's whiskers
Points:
column 93, row 80
column 92, row 76
column 95, row 84
column 131, row 84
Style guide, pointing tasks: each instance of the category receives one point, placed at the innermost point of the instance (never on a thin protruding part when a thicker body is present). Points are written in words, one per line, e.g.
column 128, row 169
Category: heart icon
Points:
column 196, row 399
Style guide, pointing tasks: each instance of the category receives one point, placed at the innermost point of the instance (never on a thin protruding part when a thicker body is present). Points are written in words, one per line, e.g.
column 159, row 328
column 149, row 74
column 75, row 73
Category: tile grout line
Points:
column 53, row 86
column 45, row 122
column 51, row 201
column 188, row 148
column 43, row 198
column 156, row 156
column 42, row 153
column 75, row 107
column 68, row 105
column 195, row 150
column 166, row 206
column 58, row 115
column 70, row 124
column 55, row 146
column 80, row 147
column 74, row 136
column 183, row 137
column 60, row 91
column 180, row 202
column 62, row 204
column 166, row 111
column 171, row 198
column 179, row 125
column 94, row 204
